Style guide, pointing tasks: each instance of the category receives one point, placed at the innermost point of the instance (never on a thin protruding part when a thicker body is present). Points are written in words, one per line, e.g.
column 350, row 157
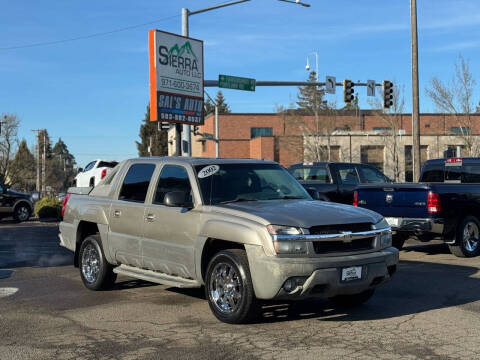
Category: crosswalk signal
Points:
column 387, row 94
column 195, row 130
column 348, row 91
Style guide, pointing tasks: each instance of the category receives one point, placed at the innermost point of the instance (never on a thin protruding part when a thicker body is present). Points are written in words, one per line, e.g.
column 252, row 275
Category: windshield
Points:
column 223, row 183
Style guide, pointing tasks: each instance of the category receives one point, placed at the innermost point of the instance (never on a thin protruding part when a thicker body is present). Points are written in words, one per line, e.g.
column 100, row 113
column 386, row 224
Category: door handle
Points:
column 117, row 213
column 150, row 217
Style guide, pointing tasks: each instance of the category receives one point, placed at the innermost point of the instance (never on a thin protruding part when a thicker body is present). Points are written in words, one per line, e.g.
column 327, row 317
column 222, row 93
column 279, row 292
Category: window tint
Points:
column 471, row 174
column 263, row 131
column 372, row 175
column 90, row 166
column 453, row 173
column 135, row 184
column 172, row 178
column 107, row 164
column 348, row 174
column 317, row 174
column 432, row 173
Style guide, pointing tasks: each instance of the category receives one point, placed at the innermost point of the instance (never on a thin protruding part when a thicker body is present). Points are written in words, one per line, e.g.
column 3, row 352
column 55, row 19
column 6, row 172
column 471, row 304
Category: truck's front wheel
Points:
column 229, row 288
column 96, row 272
column 467, row 242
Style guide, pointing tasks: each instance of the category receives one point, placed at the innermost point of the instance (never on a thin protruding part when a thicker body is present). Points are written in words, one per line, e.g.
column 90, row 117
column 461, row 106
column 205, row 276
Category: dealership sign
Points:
column 176, row 78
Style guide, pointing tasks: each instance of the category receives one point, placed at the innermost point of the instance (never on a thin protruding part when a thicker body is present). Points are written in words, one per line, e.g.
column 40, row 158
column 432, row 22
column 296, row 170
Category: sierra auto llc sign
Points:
column 176, row 78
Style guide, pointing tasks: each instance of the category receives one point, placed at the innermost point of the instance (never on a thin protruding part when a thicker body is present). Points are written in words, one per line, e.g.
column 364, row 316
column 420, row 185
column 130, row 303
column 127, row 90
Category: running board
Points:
column 156, row 277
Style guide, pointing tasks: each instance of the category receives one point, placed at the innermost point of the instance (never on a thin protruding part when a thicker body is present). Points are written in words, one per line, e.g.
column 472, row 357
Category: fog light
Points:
column 289, row 285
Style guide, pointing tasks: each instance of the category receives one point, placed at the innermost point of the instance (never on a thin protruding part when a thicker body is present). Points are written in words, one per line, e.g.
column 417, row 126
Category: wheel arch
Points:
column 84, row 229
column 211, row 247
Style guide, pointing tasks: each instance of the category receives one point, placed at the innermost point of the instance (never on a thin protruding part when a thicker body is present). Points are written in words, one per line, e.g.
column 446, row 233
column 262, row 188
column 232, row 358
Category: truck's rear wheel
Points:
column 229, row 288
column 96, row 272
column 21, row 212
column 398, row 240
column 467, row 241
column 353, row 300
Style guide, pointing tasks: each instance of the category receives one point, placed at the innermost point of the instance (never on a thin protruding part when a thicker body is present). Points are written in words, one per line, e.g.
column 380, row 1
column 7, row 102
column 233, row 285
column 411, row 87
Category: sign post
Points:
column 176, row 78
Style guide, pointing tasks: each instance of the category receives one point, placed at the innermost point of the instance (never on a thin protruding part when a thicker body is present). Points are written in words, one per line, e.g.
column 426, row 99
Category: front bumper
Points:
column 417, row 226
column 323, row 274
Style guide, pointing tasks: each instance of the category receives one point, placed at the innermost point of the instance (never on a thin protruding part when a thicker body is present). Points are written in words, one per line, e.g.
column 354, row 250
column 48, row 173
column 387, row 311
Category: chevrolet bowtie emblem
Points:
column 347, row 236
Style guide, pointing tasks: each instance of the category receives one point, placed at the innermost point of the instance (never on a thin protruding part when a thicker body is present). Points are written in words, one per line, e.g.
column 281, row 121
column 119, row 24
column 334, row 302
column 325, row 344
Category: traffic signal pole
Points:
column 415, row 99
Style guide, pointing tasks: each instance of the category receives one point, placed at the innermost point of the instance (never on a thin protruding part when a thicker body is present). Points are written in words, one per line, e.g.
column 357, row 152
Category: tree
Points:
column 8, row 141
column 456, row 99
column 153, row 142
column 60, row 167
column 223, row 108
column 23, row 169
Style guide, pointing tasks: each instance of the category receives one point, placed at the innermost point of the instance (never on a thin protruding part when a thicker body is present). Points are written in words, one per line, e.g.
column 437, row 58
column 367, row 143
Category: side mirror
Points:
column 313, row 193
column 177, row 199
column 80, row 170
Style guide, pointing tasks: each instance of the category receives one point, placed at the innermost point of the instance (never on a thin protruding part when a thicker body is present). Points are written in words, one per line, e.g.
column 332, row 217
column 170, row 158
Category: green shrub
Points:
column 48, row 207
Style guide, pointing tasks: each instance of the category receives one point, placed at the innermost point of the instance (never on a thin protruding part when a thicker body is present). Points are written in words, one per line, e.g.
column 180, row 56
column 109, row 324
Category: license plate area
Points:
column 351, row 273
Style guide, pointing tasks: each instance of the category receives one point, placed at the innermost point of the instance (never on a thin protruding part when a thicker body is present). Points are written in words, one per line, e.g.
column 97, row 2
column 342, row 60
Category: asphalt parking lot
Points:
column 431, row 310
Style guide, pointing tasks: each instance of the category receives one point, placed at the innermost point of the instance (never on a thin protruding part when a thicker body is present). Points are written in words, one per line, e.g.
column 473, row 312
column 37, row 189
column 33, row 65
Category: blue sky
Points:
column 93, row 92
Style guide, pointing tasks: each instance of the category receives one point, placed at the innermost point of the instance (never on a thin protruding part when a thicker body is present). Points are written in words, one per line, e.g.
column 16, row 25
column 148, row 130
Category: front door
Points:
column 170, row 232
column 348, row 181
column 127, row 215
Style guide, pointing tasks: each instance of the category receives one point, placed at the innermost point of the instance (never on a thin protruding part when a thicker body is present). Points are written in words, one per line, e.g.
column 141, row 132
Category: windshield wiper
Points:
column 237, row 199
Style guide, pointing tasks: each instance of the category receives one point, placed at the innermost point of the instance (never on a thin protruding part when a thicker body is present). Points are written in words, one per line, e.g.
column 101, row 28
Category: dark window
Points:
column 263, row 131
column 372, row 155
column 172, row 178
column 135, row 184
column 453, row 173
column 316, row 174
column 432, row 173
column 89, row 166
column 107, row 164
column 471, row 174
column 371, row 175
column 382, row 128
column 460, row 130
column 348, row 174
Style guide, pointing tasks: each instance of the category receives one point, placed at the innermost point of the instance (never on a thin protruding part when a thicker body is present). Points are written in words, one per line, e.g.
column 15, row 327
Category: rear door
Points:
column 316, row 177
column 127, row 214
column 348, row 179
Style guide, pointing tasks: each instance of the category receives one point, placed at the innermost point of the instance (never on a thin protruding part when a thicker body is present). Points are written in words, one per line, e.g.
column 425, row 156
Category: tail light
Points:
column 103, row 174
column 434, row 206
column 64, row 205
column 355, row 198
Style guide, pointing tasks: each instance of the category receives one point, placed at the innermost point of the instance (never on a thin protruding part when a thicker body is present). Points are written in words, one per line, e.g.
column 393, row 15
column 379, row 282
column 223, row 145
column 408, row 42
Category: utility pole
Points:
column 44, row 159
column 37, row 187
column 416, row 154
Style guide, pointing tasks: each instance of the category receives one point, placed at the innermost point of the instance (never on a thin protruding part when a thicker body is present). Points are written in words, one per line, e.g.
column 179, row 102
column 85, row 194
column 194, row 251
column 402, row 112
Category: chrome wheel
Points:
column 90, row 263
column 471, row 236
column 23, row 213
column 225, row 288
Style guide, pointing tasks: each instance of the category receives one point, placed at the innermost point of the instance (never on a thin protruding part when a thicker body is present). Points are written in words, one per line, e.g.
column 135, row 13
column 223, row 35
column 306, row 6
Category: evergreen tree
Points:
column 149, row 134
column 60, row 167
column 23, row 169
column 223, row 107
column 310, row 98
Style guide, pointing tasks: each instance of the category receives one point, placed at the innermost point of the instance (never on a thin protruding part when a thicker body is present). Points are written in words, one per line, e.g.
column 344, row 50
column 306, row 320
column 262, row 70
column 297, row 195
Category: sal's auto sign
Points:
column 176, row 78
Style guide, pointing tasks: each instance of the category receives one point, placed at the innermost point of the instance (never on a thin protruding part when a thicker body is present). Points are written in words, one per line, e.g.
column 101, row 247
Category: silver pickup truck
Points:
column 246, row 230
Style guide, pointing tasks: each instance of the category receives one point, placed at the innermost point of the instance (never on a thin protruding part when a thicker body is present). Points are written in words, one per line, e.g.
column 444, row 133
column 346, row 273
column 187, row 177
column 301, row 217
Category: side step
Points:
column 156, row 277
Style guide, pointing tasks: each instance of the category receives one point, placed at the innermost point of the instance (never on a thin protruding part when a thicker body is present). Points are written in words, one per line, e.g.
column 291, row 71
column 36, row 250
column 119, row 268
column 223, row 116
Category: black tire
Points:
column 92, row 182
column 103, row 276
column 247, row 307
column 467, row 246
column 22, row 212
column 398, row 240
column 349, row 301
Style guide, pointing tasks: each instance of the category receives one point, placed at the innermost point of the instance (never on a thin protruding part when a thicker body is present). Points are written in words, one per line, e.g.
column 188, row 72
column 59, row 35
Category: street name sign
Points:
column 330, row 84
column 235, row 82
column 370, row 87
column 176, row 78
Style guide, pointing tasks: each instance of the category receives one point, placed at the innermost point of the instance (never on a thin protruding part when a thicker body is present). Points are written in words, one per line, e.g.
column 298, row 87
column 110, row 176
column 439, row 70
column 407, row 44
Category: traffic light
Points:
column 195, row 130
column 348, row 91
column 387, row 94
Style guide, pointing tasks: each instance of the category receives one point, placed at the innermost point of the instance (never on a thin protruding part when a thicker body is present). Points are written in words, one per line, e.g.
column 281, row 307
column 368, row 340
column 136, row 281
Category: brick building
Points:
column 361, row 136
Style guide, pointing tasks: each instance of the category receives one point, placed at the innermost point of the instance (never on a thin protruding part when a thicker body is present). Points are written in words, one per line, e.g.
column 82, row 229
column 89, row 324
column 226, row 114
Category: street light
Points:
column 307, row 67
column 296, row 2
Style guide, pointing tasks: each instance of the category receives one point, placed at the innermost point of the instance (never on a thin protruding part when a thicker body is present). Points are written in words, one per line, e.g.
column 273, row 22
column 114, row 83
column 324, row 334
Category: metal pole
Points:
column 186, row 136
column 44, row 159
column 415, row 100
column 38, row 160
column 216, row 131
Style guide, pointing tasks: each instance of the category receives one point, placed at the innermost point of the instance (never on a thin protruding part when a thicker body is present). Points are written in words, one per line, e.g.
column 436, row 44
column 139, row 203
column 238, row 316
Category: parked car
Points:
column 15, row 203
column 245, row 229
column 94, row 172
column 444, row 205
column 335, row 181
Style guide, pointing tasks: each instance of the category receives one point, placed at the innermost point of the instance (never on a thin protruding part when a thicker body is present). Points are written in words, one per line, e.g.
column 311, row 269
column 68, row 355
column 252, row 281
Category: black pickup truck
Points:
column 444, row 205
column 15, row 203
column 335, row 181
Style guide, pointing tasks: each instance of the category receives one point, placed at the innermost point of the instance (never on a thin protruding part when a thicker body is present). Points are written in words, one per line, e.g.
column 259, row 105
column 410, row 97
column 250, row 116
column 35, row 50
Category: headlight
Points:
column 287, row 246
column 382, row 224
column 386, row 240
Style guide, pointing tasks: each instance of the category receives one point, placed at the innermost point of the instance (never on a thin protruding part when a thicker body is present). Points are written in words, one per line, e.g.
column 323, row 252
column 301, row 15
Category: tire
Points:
column 349, row 301
column 398, row 240
column 467, row 240
column 95, row 271
column 22, row 212
column 239, row 305
column 92, row 182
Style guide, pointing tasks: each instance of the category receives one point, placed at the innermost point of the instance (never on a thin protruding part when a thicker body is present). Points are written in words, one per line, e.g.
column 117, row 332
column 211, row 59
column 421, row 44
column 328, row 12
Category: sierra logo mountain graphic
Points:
column 180, row 57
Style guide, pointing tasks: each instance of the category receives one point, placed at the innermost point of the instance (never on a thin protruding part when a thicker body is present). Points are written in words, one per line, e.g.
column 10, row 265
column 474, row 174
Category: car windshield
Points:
column 224, row 183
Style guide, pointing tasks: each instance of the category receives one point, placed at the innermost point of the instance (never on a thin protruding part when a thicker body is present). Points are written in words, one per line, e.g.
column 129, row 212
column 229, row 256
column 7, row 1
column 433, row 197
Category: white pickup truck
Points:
column 94, row 172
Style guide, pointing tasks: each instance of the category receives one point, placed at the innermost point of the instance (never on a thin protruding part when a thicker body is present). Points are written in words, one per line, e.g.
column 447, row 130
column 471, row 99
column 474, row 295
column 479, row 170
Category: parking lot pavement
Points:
column 431, row 310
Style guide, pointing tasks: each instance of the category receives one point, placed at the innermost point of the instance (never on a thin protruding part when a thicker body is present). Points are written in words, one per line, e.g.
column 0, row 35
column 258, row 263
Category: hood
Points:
column 303, row 213
column 17, row 193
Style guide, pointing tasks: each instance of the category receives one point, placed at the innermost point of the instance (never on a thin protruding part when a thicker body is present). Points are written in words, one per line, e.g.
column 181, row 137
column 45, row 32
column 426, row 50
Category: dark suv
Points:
column 15, row 203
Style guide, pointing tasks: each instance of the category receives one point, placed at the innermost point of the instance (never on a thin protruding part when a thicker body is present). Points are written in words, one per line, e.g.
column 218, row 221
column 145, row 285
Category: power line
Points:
column 82, row 37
